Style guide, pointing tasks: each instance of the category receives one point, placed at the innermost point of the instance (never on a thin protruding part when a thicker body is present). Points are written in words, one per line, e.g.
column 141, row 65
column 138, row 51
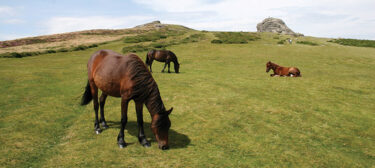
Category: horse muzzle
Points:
column 163, row 147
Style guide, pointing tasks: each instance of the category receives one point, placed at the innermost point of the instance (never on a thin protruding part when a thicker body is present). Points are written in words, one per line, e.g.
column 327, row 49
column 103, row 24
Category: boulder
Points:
column 154, row 24
column 275, row 25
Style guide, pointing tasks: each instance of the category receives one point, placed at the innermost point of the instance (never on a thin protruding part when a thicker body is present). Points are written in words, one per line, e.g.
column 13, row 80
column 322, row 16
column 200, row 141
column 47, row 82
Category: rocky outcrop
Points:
column 154, row 24
column 275, row 25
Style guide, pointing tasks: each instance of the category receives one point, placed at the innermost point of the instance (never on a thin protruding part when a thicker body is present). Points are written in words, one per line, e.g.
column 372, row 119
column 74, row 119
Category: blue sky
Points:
column 320, row 18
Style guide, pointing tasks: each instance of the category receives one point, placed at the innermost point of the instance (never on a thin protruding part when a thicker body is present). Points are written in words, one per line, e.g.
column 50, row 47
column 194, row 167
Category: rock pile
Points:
column 154, row 24
column 275, row 25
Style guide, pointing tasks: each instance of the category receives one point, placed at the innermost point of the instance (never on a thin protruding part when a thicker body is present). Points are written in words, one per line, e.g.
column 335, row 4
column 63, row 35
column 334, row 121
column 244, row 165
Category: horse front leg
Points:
column 141, row 133
column 102, row 99
column 169, row 64
column 124, row 119
column 94, row 93
column 165, row 65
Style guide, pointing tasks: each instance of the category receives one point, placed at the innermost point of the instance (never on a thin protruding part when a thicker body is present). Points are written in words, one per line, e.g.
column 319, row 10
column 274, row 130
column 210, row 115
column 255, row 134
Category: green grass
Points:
column 354, row 42
column 162, row 43
column 152, row 36
column 235, row 37
column 227, row 111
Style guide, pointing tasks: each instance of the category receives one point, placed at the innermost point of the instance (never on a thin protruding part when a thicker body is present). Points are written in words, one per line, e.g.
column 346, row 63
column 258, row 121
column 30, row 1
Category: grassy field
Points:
column 227, row 111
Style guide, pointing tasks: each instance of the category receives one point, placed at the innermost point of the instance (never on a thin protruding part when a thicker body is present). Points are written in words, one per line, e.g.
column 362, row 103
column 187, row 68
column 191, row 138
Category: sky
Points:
column 318, row 18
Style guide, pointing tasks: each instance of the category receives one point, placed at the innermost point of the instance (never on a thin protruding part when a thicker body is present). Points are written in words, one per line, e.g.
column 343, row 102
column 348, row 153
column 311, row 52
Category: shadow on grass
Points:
column 166, row 72
column 176, row 140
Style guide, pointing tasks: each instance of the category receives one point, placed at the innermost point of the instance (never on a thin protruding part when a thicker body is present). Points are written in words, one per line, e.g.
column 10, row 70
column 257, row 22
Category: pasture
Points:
column 228, row 112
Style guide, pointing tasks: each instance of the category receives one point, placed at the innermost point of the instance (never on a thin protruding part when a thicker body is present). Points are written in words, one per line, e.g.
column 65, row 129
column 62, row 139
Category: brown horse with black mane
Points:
column 162, row 56
column 126, row 77
column 282, row 71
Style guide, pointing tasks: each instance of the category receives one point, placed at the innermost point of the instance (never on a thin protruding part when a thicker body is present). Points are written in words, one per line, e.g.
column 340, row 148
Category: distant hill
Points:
column 86, row 37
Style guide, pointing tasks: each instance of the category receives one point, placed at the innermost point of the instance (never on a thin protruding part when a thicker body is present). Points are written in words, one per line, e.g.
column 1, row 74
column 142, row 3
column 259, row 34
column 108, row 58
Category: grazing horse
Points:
column 282, row 71
column 162, row 56
column 126, row 77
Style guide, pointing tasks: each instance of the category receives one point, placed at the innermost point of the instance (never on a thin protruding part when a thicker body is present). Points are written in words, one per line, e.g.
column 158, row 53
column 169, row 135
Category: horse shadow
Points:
column 176, row 140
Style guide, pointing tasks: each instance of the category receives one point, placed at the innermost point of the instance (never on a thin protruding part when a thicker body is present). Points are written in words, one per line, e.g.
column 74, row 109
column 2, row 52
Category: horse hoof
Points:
column 121, row 145
column 105, row 126
column 146, row 145
column 98, row 131
column 164, row 148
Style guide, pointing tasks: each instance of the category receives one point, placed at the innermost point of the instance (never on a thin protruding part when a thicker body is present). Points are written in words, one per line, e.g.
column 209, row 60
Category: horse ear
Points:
column 169, row 111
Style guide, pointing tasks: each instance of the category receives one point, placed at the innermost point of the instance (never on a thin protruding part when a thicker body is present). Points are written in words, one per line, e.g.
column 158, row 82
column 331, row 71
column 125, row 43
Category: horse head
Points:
column 177, row 67
column 160, row 126
column 268, row 66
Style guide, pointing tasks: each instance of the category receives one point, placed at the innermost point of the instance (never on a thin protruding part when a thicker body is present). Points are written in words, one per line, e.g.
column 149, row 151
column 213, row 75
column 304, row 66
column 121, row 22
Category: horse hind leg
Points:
column 94, row 93
column 124, row 119
column 165, row 65
column 102, row 99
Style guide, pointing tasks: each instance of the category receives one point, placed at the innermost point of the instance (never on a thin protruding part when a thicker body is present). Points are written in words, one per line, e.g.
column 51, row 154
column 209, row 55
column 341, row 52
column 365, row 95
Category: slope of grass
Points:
column 354, row 42
column 234, row 37
column 227, row 111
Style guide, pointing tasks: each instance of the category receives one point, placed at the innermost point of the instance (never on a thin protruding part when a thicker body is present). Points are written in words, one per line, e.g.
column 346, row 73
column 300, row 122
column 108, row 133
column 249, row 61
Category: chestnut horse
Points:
column 282, row 71
column 162, row 56
column 126, row 77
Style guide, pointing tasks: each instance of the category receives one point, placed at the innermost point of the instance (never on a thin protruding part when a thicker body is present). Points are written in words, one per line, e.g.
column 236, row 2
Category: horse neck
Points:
column 274, row 66
column 175, row 61
column 154, row 103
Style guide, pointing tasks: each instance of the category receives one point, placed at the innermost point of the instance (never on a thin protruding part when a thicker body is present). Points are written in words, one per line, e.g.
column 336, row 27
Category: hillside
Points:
column 73, row 39
column 228, row 112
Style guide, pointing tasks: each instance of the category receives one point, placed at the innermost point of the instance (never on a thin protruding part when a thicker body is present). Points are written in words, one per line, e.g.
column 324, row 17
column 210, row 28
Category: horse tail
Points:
column 148, row 55
column 147, row 58
column 299, row 73
column 86, row 97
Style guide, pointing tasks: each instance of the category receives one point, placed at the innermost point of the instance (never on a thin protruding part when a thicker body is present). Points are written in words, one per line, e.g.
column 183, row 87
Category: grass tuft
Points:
column 307, row 43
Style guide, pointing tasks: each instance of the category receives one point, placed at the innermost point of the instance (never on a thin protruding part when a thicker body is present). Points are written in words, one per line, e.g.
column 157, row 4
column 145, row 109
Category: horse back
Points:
column 282, row 70
column 164, row 55
column 110, row 71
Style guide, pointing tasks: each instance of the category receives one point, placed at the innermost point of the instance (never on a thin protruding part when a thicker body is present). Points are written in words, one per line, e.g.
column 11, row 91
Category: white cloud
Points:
column 327, row 18
column 13, row 21
column 4, row 37
column 6, row 10
column 69, row 24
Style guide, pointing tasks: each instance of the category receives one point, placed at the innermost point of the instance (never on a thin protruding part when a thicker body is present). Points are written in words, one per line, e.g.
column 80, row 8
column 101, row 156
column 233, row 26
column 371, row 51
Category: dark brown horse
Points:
column 162, row 56
column 282, row 71
column 126, row 77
